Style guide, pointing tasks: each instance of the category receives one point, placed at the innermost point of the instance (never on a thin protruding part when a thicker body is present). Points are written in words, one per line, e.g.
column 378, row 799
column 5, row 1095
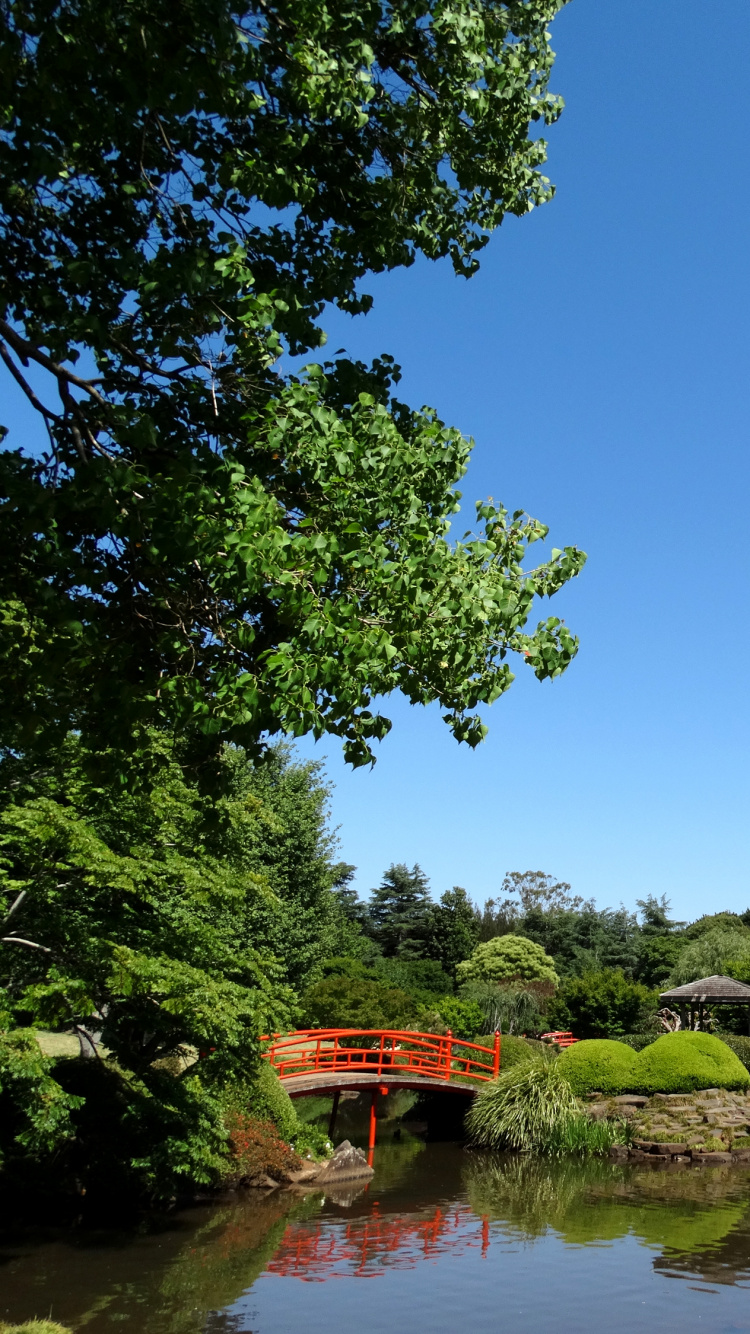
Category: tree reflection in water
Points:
column 429, row 1209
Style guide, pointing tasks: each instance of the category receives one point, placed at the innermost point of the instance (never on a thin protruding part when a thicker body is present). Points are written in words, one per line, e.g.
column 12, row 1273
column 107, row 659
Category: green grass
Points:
column 35, row 1326
column 583, row 1138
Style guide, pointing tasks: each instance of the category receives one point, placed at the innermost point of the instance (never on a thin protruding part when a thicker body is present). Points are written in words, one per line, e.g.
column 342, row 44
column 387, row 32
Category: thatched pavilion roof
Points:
column 716, row 989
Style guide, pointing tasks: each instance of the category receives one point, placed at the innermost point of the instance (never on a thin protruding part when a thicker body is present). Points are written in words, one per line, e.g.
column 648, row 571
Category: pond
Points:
column 442, row 1237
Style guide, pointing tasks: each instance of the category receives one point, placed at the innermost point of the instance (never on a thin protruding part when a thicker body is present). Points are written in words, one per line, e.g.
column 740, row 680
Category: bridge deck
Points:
column 325, row 1081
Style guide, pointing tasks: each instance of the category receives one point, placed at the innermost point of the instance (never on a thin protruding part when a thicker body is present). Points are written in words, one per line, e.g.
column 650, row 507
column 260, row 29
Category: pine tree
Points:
column 454, row 927
column 400, row 912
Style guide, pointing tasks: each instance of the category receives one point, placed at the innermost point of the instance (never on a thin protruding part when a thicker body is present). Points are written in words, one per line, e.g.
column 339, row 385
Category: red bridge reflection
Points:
column 364, row 1247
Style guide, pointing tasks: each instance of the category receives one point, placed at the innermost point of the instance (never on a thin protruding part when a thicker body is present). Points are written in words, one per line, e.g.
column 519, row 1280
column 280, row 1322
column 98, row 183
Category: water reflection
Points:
column 434, row 1214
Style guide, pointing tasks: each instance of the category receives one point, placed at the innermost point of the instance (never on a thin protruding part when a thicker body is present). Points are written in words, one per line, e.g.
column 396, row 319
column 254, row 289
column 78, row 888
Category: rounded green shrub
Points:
column 598, row 1064
column 681, row 1062
column 269, row 1101
column 740, row 1046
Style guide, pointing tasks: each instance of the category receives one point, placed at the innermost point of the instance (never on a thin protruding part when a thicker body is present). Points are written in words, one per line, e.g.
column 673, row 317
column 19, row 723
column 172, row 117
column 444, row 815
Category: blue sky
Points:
column 600, row 361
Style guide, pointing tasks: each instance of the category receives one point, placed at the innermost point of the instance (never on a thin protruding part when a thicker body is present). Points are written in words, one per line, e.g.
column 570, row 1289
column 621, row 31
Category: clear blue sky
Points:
column 600, row 361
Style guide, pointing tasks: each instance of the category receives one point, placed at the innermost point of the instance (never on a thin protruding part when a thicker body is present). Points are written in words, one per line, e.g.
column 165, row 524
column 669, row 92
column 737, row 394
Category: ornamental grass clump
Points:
column 525, row 1108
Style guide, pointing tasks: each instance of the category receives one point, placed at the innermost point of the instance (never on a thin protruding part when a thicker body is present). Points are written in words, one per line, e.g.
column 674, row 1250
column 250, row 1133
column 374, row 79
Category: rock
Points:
column 629, row 1100
column 303, row 1175
column 712, row 1157
column 264, row 1182
column 347, row 1164
column 741, row 1156
column 670, row 1148
column 645, row 1145
column 619, row 1152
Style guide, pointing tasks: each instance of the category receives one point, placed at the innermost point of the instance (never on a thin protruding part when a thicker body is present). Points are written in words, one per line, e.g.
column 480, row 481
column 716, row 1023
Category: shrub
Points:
column 601, row 1004
column 739, row 1045
column 268, row 1100
column 506, row 958
column 463, row 1017
column 514, row 1051
column 524, row 1108
column 256, row 1149
column 598, row 1064
column 637, row 1041
column 683, row 1061
column 351, row 1002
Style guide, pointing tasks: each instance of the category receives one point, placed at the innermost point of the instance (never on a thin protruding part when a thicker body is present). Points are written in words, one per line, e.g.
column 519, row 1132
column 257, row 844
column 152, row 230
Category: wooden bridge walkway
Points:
column 332, row 1060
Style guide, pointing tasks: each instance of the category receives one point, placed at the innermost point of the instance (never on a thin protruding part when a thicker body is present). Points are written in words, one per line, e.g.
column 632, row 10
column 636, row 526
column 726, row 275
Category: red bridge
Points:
column 330, row 1060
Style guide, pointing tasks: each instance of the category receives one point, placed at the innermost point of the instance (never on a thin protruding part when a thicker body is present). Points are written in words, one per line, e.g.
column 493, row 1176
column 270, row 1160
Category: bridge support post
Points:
column 334, row 1113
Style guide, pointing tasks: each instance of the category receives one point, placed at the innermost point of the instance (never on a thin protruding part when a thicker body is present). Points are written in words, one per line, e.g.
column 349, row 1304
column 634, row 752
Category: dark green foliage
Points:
column 399, row 912
column 584, row 940
column 207, row 545
column 601, row 1004
column 453, row 929
column 637, row 1041
column 424, row 978
column 718, row 921
column 156, row 912
column 513, row 1051
column 598, row 1065
column 35, row 1112
column 683, row 1061
column 351, row 1002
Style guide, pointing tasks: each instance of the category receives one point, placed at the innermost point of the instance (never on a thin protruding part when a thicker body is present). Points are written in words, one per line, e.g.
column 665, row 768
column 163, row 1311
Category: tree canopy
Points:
column 206, row 542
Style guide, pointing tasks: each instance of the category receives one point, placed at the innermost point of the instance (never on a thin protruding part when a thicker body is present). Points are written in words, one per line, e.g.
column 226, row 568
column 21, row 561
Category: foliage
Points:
column 208, row 545
column 506, row 958
column 148, row 921
column 35, row 1327
column 683, row 1061
column 351, row 1002
column 718, row 921
column 601, row 1004
column 268, row 1100
column 523, row 1109
column 579, row 1136
column 538, row 892
column 423, row 978
column 584, row 940
column 399, row 912
column 673, row 1063
column 711, row 953
column 463, row 1017
column 453, row 929
column 513, row 1051
column 637, row 1041
column 598, row 1065
column 35, row 1112
column 510, row 1007
column 257, row 1148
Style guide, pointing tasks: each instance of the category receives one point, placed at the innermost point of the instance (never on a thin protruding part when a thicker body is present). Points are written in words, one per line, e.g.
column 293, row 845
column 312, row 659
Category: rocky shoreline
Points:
column 347, row 1165
column 710, row 1126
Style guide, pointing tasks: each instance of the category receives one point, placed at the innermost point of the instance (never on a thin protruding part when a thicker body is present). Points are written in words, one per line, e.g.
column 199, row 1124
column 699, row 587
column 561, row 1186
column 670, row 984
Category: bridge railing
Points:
column 381, row 1051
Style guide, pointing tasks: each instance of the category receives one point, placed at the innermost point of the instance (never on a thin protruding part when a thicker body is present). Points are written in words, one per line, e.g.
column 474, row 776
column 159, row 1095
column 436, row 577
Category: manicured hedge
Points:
column 674, row 1063
column 681, row 1062
column 269, row 1101
column 598, row 1064
column 740, row 1046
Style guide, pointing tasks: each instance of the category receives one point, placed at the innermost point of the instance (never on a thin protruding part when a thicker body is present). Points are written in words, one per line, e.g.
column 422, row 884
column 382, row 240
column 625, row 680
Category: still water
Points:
column 442, row 1240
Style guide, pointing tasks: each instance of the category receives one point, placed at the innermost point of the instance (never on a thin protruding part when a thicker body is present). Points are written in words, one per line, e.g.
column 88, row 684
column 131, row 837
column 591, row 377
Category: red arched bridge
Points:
column 331, row 1060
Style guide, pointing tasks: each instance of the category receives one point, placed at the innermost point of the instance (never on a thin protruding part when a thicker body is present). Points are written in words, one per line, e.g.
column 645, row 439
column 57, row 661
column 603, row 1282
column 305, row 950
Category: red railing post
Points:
column 448, row 1046
column 496, row 1060
column 380, row 1054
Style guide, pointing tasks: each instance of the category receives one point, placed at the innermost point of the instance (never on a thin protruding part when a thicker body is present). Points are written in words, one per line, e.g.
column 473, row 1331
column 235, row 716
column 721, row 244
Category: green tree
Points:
column 507, row 959
column 358, row 1002
column 710, row 954
column 204, row 543
column 660, row 943
column 453, row 929
column 601, row 1004
column 158, row 925
column 400, row 911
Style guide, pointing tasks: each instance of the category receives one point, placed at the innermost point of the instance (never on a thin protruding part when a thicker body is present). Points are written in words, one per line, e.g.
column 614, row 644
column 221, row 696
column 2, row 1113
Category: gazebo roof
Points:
column 715, row 988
